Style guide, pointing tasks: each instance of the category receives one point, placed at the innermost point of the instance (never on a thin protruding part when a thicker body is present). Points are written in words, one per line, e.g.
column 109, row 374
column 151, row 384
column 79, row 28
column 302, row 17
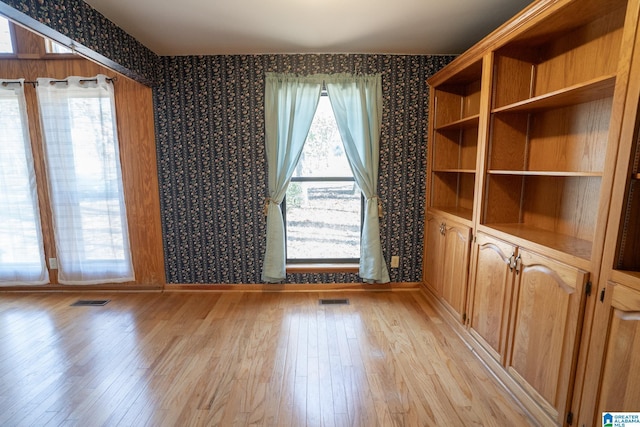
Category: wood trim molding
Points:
column 212, row 287
column 82, row 288
column 323, row 268
column 293, row 287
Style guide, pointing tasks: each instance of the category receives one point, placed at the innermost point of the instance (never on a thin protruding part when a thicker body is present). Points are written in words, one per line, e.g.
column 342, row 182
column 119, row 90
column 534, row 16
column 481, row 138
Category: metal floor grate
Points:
column 92, row 302
column 334, row 302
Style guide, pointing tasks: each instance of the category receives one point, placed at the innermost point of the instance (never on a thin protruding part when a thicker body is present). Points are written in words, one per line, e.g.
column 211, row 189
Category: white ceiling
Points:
column 212, row 27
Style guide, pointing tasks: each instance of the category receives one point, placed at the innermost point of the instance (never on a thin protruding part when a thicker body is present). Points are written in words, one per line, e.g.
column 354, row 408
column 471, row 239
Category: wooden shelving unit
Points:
column 550, row 118
column 524, row 146
column 454, row 142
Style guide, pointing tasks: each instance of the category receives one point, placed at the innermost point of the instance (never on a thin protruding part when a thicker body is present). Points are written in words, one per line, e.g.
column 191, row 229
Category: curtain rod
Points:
column 18, row 81
column 109, row 79
column 34, row 84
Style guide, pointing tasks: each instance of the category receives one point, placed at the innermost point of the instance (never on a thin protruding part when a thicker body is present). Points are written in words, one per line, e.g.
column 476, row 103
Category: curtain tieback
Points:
column 266, row 205
column 380, row 212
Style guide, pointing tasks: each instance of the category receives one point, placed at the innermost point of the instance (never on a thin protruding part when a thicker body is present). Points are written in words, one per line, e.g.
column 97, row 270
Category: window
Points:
column 6, row 39
column 85, row 185
column 56, row 48
column 323, row 204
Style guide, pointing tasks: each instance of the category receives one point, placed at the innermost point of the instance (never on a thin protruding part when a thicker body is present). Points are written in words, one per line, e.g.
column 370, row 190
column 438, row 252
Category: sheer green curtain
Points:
column 290, row 104
column 357, row 105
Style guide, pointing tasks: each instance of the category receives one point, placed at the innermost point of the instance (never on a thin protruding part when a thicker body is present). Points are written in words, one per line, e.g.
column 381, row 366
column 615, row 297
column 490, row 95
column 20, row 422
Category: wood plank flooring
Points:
column 240, row 359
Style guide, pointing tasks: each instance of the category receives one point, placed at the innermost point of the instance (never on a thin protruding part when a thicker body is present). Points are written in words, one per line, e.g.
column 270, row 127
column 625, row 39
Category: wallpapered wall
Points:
column 210, row 142
column 212, row 164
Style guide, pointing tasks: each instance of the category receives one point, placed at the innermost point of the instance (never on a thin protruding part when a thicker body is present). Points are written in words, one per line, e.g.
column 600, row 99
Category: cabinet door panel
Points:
column 620, row 385
column 432, row 255
column 492, row 293
column 455, row 266
column 545, row 326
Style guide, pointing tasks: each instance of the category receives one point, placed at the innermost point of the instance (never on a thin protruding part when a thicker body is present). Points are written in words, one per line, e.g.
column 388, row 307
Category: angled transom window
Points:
column 6, row 41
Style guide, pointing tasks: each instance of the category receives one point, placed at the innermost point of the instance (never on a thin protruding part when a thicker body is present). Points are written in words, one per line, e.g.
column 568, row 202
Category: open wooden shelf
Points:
column 592, row 90
column 566, row 141
column 454, row 170
column 547, row 204
column 464, row 123
column 626, row 278
column 458, row 212
column 570, row 245
column 543, row 173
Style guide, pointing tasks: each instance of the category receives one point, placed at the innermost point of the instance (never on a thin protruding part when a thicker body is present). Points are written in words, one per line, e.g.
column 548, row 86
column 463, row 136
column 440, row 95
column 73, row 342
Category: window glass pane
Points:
column 53, row 47
column 323, row 152
column 323, row 220
column 94, row 154
column 6, row 45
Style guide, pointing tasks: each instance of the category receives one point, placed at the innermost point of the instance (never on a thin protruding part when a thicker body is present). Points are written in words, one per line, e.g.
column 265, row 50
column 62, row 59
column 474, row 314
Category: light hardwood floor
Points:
column 223, row 359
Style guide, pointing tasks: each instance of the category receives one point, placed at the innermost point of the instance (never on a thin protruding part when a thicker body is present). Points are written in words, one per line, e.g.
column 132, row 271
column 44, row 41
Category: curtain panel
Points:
column 357, row 105
column 22, row 260
column 290, row 104
column 85, row 180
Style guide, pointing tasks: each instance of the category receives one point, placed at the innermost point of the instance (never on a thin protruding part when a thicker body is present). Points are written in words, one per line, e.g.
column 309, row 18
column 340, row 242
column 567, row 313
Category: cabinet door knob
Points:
column 517, row 264
column 512, row 262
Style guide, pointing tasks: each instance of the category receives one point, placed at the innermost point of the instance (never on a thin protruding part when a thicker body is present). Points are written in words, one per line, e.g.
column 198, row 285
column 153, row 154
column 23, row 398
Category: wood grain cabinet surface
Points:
column 533, row 155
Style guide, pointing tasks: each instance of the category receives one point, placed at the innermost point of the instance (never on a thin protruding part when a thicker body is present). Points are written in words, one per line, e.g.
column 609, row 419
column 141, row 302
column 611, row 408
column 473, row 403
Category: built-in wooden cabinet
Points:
column 454, row 135
column 612, row 383
column 433, row 254
column 530, row 147
column 544, row 328
column 525, row 312
column 491, row 294
column 620, row 386
column 447, row 259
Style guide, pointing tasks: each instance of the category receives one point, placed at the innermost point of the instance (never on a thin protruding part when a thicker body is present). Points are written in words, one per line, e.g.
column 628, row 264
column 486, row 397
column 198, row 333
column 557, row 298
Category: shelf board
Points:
column 464, row 123
column 543, row 173
column 584, row 92
column 571, row 245
column 463, row 213
column 626, row 278
column 454, row 170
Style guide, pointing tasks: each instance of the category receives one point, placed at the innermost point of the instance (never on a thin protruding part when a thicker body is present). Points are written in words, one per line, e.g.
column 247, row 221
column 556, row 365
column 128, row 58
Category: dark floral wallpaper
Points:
column 210, row 143
column 211, row 156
